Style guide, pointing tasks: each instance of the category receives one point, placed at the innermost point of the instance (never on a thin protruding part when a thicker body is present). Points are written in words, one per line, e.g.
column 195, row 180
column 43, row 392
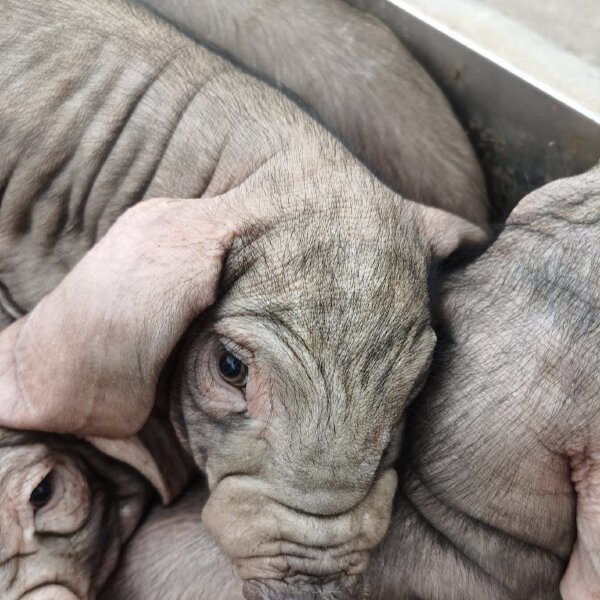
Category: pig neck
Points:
column 95, row 125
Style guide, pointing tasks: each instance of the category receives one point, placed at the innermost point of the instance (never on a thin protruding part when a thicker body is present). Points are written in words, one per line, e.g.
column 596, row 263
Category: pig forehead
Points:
column 341, row 324
column 305, row 234
column 20, row 451
column 30, row 450
column 322, row 270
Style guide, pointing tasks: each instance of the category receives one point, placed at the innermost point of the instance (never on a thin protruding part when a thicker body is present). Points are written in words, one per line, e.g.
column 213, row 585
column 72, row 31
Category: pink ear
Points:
column 446, row 232
column 87, row 358
column 581, row 580
column 155, row 453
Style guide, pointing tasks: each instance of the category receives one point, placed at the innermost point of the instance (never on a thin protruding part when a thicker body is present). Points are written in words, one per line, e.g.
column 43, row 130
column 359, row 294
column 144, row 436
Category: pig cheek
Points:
column 70, row 505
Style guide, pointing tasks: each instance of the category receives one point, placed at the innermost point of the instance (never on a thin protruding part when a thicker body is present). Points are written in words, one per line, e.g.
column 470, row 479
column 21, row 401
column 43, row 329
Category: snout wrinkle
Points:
column 301, row 564
column 270, row 541
column 50, row 592
column 315, row 515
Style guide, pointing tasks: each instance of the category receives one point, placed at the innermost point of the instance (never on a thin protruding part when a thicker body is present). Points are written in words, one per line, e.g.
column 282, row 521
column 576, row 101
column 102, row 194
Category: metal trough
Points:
column 532, row 109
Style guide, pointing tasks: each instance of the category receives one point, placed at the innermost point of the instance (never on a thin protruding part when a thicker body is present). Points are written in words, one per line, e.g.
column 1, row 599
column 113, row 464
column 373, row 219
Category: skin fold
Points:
column 500, row 472
column 355, row 74
column 323, row 287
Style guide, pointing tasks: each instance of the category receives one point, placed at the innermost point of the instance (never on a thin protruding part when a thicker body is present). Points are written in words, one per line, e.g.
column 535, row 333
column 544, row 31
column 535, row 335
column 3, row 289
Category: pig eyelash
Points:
column 234, row 348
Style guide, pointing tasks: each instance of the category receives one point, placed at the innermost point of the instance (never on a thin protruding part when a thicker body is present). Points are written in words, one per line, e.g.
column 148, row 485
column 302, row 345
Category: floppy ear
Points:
column 155, row 453
column 87, row 359
column 446, row 233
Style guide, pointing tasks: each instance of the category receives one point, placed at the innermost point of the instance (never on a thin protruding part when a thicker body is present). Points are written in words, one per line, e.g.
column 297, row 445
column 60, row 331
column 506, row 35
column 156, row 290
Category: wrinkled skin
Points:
column 62, row 539
column 326, row 300
column 501, row 471
column 304, row 451
column 352, row 70
column 504, row 442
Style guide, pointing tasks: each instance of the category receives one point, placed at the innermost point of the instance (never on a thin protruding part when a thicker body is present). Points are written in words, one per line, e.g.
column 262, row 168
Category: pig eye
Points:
column 232, row 369
column 42, row 493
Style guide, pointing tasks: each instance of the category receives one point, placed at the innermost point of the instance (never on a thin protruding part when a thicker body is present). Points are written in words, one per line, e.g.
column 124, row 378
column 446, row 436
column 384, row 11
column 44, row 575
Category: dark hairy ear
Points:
column 445, row 233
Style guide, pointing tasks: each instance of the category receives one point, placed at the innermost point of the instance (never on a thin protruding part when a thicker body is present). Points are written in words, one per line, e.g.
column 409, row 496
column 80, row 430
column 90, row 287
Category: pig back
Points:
column 357, row 76
column 92, row 126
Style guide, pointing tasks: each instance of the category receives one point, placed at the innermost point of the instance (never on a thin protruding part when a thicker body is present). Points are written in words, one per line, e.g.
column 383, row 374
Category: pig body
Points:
column 501, row 468
column 173, row 555
column 65, row 513
column 352, row 70
column 509, row 425
column 328, row 305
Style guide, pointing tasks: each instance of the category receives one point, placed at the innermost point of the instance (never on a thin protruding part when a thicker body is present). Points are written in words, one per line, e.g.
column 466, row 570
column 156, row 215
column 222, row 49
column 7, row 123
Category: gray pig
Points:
column 501, row 473
column 172, row 556
column 65, row 513
column 352, row 70
column 290, row 392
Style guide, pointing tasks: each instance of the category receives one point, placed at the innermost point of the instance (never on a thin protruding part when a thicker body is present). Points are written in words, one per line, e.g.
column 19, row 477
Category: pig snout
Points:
column 50, row 592
column 343, row 588
column 281, row 551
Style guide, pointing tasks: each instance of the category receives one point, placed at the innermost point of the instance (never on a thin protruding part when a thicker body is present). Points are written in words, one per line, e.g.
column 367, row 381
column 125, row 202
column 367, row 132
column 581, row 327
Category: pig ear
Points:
column 131, row 509
column 155, row 453
column 148, row 278
column 446, row 232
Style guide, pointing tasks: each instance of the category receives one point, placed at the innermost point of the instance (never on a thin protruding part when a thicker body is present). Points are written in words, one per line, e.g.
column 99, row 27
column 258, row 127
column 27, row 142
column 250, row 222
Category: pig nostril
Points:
column 42, row 492
column 306, row 588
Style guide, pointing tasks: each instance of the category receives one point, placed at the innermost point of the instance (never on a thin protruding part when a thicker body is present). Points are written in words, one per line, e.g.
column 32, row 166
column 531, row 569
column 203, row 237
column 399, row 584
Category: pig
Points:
column 360, row 80
column 500, row 483
column 67, row 508
column 65, row 513
column 500, row 474
column 290, row 393
column 173, row 555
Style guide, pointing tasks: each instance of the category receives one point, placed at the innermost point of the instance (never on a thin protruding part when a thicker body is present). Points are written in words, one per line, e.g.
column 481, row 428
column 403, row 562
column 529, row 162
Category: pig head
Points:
column 65, row 513
column 291, row 392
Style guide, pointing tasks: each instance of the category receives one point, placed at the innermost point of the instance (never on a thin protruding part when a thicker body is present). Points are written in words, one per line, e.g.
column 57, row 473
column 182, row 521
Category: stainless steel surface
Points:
column 526, row 130
column 573, row 25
